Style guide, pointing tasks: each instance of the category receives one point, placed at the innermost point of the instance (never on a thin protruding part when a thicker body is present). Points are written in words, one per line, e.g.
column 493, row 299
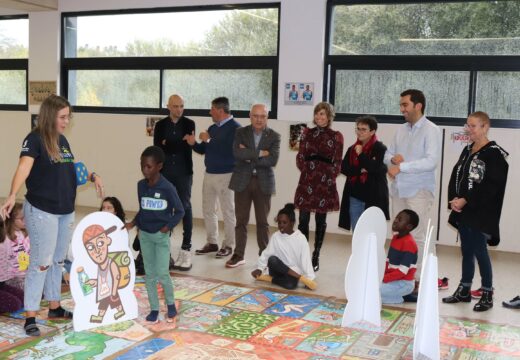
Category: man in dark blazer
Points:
column 256, row 149
column 169, row 135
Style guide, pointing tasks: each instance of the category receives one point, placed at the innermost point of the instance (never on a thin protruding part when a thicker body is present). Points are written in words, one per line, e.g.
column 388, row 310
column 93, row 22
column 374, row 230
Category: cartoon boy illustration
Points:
column 96, row 242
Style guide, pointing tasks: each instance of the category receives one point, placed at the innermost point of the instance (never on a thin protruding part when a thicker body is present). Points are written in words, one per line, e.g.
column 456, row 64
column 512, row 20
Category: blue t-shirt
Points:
column 307, row 95
column 159, row 205
column 51, row 185
column 293, row 95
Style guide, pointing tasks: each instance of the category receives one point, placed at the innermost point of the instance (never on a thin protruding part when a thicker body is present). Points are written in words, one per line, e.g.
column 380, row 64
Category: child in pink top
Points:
column 14, row 260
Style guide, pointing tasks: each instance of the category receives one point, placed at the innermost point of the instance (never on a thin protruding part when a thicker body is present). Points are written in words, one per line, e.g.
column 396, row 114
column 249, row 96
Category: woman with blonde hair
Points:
column 46, row 165
column 319, row 160
column 475, row 196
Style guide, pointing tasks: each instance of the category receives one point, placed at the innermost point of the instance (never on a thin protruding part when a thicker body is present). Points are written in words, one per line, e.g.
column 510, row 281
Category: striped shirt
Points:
column 402, row 259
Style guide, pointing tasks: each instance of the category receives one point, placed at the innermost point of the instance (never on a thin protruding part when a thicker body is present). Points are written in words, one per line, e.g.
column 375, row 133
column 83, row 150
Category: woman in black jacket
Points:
column 475, row 195
column 366, row 183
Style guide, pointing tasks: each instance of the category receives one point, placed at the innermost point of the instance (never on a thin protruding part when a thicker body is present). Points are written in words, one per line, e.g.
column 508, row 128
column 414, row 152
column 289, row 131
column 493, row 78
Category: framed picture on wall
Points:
column 295, row 135
column 40, row 90
column 150, row 124
column 299, row 93
column 34, row 120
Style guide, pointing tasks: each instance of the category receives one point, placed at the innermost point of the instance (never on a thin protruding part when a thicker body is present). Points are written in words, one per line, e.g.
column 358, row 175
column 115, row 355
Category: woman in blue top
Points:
column 46, row 166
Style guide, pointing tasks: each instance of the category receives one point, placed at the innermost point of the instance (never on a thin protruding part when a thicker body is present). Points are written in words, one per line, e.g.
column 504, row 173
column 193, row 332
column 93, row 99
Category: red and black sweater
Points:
column 402, row 259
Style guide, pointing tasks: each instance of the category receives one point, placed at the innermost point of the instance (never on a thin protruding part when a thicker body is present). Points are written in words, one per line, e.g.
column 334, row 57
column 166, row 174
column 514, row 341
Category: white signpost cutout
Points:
column 426, row 327
column 103, row 273
column 365, row 269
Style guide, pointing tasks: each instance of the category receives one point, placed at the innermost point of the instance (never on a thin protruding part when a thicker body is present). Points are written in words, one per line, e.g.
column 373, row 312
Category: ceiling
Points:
column 29, row 5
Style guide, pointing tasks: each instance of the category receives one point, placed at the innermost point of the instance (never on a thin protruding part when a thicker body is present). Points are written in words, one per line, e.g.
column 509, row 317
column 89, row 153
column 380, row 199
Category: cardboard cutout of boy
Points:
column 103, row 288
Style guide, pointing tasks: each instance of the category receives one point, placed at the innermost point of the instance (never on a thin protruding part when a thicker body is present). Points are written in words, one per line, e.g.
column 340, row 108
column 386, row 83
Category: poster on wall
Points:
column 103, row 273
column 40, row 90
column 295, row 135
column 458, row 138
column 299, row 93
column 150, row 124
column 34, row 120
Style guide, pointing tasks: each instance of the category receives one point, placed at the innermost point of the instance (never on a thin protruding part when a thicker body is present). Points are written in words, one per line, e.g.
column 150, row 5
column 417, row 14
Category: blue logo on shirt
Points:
column 148, row 203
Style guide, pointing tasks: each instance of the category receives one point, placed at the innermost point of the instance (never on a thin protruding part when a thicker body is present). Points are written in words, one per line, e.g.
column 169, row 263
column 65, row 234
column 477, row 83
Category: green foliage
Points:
column 475, row 28
column 13, row 85
column 245, row 33
column 239, row 33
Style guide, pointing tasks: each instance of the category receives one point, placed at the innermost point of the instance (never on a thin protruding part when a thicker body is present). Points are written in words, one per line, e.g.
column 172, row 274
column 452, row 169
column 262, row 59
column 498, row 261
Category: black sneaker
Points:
column 411, row 298
column 30, row 327
column 59, row 312
column 224, row 252
column 514, row 303
column 235, row 261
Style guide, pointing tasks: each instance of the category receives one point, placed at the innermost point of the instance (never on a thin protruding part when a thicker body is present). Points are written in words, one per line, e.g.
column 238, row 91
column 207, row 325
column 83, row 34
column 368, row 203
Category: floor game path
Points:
column 232, row 321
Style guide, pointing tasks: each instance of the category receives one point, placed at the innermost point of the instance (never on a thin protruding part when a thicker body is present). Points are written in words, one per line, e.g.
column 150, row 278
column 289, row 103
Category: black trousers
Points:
column 279, row 271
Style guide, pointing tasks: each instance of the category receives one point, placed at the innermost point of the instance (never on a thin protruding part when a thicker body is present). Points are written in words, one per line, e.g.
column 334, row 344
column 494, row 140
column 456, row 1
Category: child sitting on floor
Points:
column 287, row 255
column 14, row 260
column 398, row 281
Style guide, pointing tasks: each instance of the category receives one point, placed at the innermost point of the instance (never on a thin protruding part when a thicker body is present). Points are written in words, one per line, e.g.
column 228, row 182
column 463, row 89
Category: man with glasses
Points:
column 256, row 149
column 412, row 158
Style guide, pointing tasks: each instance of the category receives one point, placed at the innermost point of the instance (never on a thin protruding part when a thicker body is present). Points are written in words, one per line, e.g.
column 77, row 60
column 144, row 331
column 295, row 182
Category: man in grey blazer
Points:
column 256, row 149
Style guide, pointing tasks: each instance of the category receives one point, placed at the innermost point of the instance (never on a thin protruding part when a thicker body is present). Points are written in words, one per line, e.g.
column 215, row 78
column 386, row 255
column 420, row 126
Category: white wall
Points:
column 111, row 144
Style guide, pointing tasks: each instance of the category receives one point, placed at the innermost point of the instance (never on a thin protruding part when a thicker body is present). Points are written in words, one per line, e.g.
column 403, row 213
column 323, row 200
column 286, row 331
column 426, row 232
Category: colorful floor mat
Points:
column 227, row 321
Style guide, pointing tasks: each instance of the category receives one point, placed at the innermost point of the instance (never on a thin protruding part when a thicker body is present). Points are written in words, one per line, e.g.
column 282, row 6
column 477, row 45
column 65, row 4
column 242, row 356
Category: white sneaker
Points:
column 185, row 263
column 179, row 259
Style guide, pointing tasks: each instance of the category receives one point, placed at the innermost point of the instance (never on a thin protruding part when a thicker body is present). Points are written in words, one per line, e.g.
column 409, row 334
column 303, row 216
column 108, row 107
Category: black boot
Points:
column 318, row 241
column 462, row 294
column 486, row 301
column 303, row 223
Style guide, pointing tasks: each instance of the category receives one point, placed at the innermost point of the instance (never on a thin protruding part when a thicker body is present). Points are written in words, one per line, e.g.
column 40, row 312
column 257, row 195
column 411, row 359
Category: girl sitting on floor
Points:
column 14, row 260
column 287, row 257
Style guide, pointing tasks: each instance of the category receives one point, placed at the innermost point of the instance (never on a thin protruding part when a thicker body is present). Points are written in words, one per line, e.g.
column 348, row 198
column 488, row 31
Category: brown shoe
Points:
column 223, row 252
column 208, row 248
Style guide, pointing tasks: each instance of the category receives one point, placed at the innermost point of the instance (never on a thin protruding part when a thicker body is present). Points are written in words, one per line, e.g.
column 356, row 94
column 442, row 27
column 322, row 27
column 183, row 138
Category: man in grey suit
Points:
column 256, row 149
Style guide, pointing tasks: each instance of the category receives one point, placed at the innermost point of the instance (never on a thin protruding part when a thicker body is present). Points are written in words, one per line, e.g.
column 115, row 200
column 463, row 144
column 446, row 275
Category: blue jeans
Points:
column 393, row 292
column 356, row 209
column 473, row 244
column 50, row 237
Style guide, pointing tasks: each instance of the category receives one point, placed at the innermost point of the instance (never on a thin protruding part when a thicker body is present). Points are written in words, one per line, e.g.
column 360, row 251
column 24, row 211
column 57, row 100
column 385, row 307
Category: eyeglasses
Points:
column 468, row 126
column 362, row 130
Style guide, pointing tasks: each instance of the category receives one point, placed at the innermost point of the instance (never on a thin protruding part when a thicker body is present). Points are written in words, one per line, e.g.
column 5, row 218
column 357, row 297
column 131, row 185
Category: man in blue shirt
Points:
column 307, row 93
column 217, row 146
column 293, row 94
column 412, row 159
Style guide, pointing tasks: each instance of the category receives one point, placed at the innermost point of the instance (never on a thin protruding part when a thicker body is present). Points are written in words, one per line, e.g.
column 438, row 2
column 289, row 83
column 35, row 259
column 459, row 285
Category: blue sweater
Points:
column 158, row 206
column 219, row 157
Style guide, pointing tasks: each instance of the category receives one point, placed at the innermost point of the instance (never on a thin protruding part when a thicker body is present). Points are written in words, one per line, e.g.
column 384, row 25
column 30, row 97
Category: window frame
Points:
column 163, row 63
column 16, row 64
column 470, row 63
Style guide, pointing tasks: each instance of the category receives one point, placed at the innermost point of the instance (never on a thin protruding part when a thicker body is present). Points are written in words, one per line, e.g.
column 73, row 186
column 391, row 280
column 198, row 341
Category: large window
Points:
column 131, row 61
column 464, row 55
column 14, row 50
